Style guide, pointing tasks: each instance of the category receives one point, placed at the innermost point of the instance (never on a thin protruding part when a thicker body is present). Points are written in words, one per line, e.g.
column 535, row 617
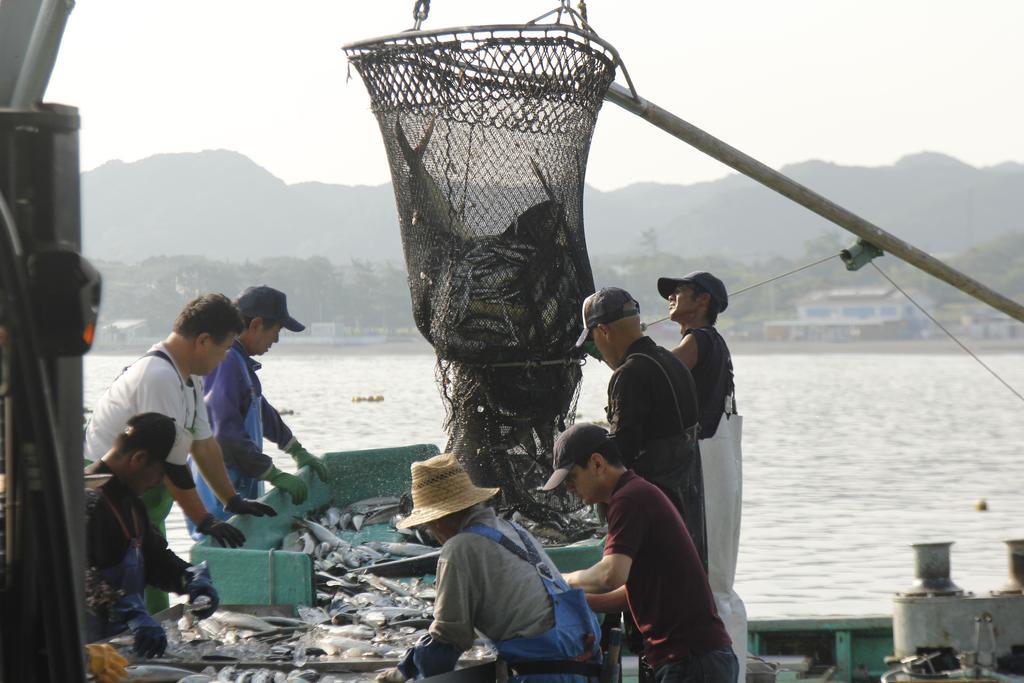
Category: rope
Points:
column 948, row 333
column 779, row 277
column 419, row 13
column 270, row 577
column 534, row 363
column 647, row 326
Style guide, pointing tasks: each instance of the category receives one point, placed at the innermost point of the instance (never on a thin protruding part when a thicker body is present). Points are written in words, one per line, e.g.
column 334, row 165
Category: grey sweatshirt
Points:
column 481, row 585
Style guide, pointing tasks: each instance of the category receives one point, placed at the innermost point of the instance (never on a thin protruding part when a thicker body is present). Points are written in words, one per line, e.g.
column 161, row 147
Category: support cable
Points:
column 948, row 333
column 647, row 326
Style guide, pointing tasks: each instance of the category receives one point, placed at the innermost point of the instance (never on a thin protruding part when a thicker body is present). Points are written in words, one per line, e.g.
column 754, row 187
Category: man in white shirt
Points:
column 168, row 380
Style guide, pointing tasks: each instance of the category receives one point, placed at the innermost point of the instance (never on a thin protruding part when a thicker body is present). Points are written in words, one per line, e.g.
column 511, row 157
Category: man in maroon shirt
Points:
column 649, row 563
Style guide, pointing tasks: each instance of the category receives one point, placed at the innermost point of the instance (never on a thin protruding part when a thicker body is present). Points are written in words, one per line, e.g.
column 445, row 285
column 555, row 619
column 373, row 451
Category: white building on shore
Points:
column 854, row 314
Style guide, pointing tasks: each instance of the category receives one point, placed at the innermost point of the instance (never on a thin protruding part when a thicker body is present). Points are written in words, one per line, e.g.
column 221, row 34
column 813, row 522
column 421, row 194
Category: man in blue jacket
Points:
column 240, row 414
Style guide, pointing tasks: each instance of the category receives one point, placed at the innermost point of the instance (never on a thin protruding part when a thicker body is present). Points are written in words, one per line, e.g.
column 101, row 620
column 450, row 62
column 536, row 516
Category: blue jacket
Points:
column 227, row 399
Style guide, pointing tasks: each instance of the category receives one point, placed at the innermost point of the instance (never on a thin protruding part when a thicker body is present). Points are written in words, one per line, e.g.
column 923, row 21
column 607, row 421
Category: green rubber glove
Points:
column 304, row 458
column 289, row 483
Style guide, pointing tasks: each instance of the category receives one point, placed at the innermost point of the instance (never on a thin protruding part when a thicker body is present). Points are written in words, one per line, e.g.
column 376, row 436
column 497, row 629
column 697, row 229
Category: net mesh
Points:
column 487, row 134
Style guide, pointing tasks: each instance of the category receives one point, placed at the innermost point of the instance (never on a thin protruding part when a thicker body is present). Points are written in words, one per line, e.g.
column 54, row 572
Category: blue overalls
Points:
column 245, row 485
column 569, row 652
column 128, row 575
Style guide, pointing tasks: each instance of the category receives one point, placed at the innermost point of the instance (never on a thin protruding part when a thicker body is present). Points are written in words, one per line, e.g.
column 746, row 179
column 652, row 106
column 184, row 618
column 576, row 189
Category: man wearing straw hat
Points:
column 493, row 576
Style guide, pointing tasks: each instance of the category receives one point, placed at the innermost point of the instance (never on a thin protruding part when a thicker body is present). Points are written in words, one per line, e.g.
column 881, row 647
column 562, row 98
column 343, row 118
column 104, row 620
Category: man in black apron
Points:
column 124, row 552
column 652, row 410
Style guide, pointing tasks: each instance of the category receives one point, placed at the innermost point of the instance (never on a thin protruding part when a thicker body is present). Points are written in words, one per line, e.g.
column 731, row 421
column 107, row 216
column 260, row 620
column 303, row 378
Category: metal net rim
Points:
column 482, row 33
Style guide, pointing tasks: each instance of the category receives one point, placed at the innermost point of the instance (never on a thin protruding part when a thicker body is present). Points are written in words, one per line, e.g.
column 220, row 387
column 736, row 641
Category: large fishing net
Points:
column 487, row 133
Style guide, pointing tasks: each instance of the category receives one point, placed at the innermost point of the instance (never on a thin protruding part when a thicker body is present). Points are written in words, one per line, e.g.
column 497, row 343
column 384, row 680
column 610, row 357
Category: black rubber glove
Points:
column 242, row 506
column 222, row 532
column 200, row 584
column 150, row 639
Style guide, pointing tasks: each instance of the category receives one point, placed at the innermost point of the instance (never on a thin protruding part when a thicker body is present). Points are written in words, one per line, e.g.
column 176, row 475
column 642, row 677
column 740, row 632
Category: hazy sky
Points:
column 851, row 81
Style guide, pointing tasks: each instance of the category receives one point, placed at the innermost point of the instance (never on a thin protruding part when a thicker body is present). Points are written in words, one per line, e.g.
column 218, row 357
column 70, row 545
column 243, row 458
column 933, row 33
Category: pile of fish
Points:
column 359, row 617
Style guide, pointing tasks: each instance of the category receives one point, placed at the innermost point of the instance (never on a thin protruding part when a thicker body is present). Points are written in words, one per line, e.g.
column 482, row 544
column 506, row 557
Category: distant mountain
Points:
column 223, row 205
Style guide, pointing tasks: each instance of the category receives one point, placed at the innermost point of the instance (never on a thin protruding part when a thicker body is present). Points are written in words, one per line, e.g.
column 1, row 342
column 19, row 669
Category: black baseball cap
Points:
column 156, row 434
column 604, row 306
column 704, row 280
column 574, row 446
column 266, row 302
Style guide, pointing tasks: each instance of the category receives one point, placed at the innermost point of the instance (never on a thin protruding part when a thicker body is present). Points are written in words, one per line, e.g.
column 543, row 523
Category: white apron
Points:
column 722, row 460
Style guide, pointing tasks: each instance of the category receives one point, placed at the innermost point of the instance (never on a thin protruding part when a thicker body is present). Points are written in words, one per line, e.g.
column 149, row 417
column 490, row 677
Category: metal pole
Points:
column 772, row 179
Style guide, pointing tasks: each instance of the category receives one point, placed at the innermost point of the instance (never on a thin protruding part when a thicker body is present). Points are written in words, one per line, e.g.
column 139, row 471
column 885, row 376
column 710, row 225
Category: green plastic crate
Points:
column 259, row 573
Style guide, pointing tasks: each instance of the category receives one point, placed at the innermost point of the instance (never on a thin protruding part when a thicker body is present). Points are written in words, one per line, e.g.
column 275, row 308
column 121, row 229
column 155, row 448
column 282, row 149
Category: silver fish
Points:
column 241, row 621
column 357, row 631
column 381, row 515
column 334, row 644
column 441, row 215
column 344, row 520
column 357, row 521
column 291, row 542
column 322, row 534
column 275, row 620
column 401, row 549
column 367, row 504
column 156, row 673
column 308, row 543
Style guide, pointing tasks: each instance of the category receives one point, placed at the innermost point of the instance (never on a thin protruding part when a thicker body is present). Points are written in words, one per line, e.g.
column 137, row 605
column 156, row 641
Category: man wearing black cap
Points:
column 694, row 302
column 652, row 405
column 124, row 552
column 650, row 564
column 241, row 416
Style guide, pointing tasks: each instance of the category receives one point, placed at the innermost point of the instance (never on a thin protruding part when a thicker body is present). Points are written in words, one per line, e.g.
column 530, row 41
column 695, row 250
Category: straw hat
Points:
column 440, row 487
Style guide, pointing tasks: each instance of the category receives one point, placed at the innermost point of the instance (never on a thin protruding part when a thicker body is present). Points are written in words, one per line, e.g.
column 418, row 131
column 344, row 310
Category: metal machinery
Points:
column 952, row 629
column 49, row 297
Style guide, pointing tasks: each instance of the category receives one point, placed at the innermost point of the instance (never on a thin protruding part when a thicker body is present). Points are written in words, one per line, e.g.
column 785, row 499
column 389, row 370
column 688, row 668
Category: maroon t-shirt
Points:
column 667, row 589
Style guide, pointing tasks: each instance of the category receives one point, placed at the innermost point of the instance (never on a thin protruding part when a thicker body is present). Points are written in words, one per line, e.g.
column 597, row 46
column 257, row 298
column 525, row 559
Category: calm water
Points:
column 847, row 460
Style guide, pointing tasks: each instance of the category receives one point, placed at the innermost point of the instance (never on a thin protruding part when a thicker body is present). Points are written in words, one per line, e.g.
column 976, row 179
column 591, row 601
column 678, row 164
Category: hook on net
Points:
column 419, row 13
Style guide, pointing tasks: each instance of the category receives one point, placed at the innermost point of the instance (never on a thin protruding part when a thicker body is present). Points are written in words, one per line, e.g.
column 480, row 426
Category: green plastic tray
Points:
column 259, row 573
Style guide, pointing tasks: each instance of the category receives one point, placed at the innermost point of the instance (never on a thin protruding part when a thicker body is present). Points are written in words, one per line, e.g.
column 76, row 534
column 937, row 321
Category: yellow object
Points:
column 440, row 487
column 106, row 664
column 371, row 399
column 981, row 505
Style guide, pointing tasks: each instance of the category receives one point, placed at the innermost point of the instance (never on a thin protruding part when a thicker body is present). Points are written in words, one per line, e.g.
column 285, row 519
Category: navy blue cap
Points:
column 704, row 280
column 604, row 306
column 267, row 302
column 574, row 446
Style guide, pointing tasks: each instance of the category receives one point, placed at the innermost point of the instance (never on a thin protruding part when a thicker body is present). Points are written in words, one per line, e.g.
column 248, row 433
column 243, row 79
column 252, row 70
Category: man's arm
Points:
column 274, row 427
column 210, row 459
column 628, row 405
column 604, row 577
column 164, row 569
column 614, row 601
column 688, row 351
column 227, row 399
column 455, row 605
column 189, row 501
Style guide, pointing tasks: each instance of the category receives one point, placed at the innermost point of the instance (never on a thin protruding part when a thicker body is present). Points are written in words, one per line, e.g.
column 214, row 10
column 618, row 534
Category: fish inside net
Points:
column 487, row 134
